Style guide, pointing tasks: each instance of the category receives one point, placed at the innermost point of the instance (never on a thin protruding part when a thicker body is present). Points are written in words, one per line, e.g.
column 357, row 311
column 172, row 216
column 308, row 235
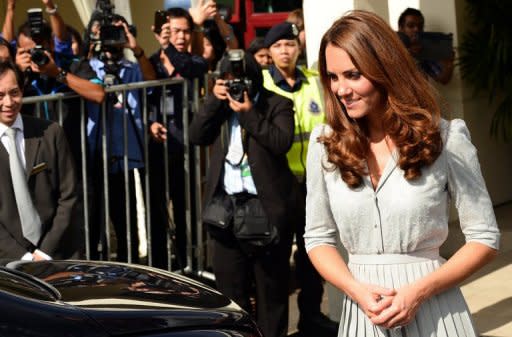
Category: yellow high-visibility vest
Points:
column 309, row 111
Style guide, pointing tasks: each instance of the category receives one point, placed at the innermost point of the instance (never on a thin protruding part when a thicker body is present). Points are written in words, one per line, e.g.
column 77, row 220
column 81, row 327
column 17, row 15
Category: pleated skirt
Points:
column 444, row 315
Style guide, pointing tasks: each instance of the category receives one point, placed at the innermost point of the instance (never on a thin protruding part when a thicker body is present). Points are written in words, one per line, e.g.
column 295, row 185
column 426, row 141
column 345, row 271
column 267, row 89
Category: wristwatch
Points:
column 61, row 76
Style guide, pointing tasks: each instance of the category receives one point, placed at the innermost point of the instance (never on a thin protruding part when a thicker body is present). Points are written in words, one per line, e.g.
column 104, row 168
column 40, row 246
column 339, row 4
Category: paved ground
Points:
column 488, row 292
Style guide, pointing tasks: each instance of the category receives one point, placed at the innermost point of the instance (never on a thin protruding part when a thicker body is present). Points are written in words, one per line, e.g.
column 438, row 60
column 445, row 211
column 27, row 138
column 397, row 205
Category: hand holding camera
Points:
column 50, row 68
column 25, row 61
column 164, row 35
column 238, row 101
column 240, row 105
column 220, row 90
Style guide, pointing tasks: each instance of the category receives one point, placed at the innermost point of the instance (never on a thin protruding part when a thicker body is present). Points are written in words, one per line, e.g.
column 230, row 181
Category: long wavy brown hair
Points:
column 411, row 115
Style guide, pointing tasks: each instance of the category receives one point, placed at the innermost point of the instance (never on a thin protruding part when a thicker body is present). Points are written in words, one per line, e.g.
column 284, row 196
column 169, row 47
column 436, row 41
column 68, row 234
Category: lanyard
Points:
column 41, row 93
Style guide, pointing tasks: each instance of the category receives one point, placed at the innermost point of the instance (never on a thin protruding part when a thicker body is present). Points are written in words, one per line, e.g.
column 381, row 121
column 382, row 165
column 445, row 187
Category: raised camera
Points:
column 160, row 20
column 237, row 87
column 111, row 35
column 39, row 56
column 35, row 21
column 240, row 82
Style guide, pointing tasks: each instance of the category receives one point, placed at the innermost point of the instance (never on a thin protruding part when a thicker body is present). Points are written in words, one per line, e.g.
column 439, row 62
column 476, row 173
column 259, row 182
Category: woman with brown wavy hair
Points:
column 381, row 173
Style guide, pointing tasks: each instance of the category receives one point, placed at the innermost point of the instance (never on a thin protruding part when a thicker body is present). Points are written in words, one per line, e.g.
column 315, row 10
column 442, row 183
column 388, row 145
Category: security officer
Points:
column 303, row 87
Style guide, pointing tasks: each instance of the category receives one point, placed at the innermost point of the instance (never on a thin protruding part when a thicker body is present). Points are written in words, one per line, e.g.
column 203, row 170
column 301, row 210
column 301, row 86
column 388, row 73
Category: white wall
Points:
column 396, row 7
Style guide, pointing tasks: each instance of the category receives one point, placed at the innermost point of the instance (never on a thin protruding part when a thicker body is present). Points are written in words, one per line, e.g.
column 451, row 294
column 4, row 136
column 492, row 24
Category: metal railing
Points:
column 195, row 239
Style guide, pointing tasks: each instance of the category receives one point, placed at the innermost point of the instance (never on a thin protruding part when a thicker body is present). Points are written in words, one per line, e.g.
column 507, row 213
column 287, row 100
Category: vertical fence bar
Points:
column 199, row 251
column 186, row 163
column 59, row 111
column 85, row 177
column 126, row 180
column 105, row 251
column 38, row 110
column 147, row 189
column 165, row 154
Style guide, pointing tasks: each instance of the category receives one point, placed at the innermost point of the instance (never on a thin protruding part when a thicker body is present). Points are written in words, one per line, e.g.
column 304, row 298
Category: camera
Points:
column 38, row 56
column 160, row 20
column 111, row 36
column 35, row 20
column 240, row 82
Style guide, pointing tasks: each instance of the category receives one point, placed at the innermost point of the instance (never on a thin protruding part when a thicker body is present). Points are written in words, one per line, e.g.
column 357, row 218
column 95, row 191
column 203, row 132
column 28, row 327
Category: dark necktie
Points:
column 30, row 221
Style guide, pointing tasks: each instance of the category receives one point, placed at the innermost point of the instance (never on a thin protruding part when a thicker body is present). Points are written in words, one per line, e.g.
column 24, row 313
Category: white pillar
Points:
column 318, row 17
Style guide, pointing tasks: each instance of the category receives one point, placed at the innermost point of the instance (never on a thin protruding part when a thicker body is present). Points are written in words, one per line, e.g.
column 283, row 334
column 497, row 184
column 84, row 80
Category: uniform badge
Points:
column 314, row 107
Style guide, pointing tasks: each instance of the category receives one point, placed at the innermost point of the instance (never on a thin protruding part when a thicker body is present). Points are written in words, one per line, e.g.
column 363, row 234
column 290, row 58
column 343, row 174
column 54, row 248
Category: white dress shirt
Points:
column 20, row 140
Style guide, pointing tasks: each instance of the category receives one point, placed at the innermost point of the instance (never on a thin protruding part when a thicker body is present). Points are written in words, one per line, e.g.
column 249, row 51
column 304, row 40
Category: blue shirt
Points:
column 129, row 73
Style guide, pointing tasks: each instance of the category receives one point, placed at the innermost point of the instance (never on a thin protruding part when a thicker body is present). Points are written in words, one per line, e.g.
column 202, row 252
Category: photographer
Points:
column 411, row 24
column 63, row 36
column 251, row 130
column 77, row 77
column 172, row 60
column 45, row 77
column 113, row 68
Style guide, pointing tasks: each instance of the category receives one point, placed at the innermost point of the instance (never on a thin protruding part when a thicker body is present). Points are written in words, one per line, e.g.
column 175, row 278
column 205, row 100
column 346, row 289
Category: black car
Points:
column 89, row 298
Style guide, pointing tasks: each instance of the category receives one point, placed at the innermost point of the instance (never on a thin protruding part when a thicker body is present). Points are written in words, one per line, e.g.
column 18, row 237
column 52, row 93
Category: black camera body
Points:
column 38, row 56
column 160, row 20
column 111, row 36
column 240, row 82
column 35, row 20
column 237, row 86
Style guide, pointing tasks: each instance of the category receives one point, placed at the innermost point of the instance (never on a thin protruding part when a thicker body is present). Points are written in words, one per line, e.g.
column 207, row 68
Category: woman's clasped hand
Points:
column 387, row 307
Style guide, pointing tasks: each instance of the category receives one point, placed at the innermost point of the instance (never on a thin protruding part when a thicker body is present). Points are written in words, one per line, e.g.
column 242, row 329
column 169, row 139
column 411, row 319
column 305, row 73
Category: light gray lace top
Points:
column 400, row 216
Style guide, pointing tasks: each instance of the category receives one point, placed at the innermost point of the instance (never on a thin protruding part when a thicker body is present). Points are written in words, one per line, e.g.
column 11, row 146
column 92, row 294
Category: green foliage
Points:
column 486, row 58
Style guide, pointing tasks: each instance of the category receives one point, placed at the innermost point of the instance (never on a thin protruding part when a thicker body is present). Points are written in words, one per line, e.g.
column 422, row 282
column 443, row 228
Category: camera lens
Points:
column 236, row 90
column 38, row 56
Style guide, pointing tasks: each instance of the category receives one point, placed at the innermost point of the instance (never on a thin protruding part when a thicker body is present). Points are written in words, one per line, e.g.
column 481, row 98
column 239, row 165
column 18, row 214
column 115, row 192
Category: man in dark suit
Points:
column 50, row 178
column 251, row 130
